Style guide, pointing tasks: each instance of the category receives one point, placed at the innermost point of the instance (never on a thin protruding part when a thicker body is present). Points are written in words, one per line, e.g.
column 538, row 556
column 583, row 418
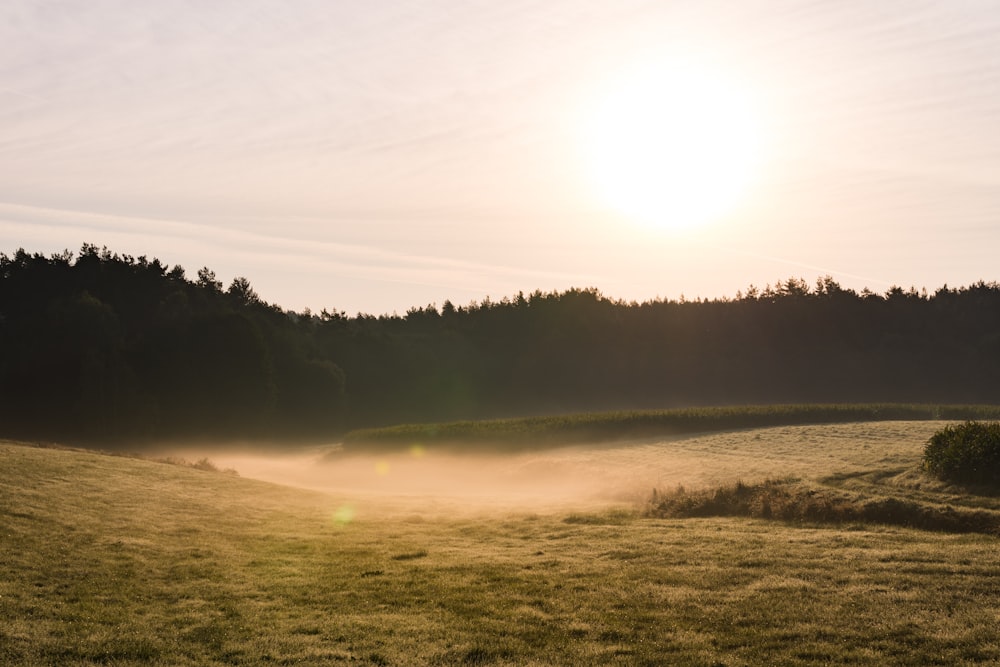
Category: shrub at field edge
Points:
column 966, row 453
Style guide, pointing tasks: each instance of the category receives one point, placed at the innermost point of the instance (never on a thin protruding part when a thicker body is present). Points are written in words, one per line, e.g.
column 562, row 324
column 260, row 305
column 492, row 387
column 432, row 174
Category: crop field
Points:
column 555, row 557
column 534, row 433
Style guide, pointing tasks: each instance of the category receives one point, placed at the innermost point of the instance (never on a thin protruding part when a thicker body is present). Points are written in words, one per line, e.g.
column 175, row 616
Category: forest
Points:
column 109, row 348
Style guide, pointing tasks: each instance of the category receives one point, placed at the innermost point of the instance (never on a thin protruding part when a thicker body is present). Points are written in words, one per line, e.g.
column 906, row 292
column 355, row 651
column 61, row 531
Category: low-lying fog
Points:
column 536, row 480
column 579, row 477
column 582, row 476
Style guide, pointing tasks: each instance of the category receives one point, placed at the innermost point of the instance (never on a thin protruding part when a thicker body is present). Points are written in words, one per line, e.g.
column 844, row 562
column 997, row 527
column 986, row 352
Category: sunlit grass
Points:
column 795, row 501
column 109, row 560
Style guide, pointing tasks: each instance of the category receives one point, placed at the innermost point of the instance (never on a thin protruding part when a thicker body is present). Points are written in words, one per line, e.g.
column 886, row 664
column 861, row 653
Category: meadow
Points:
column 554, row 557
column 532, row 433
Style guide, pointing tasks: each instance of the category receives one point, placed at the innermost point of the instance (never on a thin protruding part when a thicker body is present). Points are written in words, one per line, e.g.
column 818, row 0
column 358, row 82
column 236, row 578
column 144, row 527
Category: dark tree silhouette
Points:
column 113, row 347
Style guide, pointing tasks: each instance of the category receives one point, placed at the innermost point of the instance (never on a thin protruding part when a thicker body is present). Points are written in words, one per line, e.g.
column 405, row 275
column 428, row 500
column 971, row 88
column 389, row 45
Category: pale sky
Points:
column 373, row 156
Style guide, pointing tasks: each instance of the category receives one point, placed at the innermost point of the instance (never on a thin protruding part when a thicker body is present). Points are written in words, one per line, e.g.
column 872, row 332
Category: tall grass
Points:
column 799, row 502
column 532, row 432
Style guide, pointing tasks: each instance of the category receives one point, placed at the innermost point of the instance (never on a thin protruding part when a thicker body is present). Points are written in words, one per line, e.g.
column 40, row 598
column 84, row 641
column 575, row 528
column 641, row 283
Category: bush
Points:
column 966, row 453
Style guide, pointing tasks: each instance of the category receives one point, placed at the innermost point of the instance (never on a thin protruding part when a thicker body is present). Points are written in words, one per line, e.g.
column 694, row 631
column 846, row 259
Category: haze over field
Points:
column 116, row 560
column 373, row 157
column 426, row 480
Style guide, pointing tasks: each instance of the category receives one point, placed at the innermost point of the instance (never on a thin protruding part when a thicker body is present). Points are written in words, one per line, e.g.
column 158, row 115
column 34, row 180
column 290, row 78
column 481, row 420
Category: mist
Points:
column 573, row 478
column 429, row 481
column 432, row 481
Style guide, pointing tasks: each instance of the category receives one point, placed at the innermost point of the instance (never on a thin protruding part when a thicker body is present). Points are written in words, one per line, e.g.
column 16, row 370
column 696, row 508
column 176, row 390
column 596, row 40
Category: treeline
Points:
column 102, row 346
column 110, row 347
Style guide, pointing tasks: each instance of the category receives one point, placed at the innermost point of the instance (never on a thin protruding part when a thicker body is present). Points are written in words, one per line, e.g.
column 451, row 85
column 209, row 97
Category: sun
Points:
column 672, row 145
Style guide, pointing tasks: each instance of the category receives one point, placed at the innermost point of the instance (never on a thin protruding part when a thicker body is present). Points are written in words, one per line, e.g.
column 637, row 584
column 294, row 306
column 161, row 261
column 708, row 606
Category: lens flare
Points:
column 344, row 515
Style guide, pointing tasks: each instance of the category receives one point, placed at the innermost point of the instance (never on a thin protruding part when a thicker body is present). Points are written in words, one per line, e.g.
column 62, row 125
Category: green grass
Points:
column 533, row 432
column 118, row 561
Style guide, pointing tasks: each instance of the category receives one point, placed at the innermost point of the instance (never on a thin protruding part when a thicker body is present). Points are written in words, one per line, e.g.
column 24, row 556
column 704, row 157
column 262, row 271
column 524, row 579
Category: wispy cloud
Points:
column 20, row 93
column 401, row 152
column 238, row 251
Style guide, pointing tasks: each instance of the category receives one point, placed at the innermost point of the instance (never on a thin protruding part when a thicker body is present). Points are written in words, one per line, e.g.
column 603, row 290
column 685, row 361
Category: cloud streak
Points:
column 196, row 245
column 402, row 152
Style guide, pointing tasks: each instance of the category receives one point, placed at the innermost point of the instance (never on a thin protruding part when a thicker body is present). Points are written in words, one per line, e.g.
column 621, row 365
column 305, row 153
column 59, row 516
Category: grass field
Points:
column 533, row 433
column 533, row 559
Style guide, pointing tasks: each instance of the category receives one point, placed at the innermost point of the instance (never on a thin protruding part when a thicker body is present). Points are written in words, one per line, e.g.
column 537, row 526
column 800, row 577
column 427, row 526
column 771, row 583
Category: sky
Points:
column 376, row 156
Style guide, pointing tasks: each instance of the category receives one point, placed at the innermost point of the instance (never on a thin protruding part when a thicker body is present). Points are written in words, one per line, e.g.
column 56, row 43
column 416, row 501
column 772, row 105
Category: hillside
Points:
column 112, row 560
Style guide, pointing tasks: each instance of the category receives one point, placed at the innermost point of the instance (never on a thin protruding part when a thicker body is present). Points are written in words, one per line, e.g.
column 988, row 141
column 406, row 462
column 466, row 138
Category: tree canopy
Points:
column 99, row 346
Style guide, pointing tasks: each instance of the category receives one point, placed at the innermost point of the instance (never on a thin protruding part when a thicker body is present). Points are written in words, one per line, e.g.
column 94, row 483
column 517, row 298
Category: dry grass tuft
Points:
column 796, row 501
column 204, row 463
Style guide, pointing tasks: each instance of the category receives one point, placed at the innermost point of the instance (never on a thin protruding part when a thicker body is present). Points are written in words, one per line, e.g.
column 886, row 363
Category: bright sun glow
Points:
column 673, row 146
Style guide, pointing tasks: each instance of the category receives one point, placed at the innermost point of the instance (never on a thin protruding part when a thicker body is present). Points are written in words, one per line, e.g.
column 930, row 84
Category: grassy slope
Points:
column 119, row 561
column 531, row 432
